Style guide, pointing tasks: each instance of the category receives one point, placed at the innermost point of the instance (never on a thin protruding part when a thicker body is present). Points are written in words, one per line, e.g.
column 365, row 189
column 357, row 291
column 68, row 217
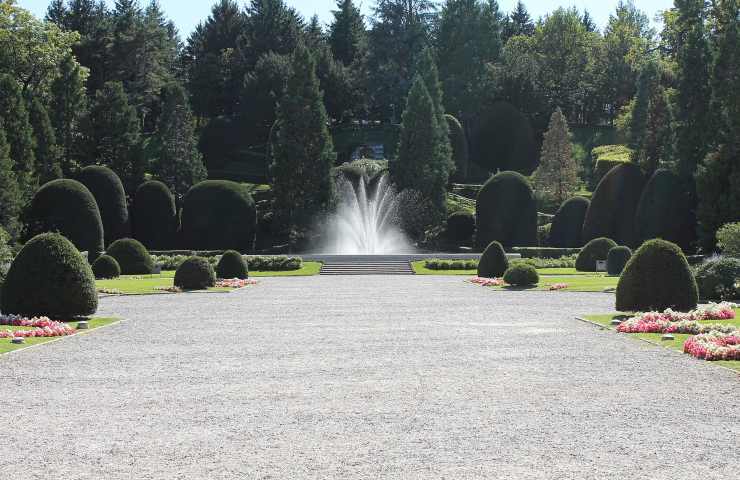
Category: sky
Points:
column 188, row 13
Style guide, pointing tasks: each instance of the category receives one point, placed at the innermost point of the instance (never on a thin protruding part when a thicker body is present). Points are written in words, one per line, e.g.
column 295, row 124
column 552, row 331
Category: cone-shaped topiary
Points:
column 596, row 249
column 132, row 256
column 461, row 227
column 493, row 263
column 232, row 265
column 617, row 260
column 521, row 275
column 568, row 223
column 155, row 216
column 506, row 212
column 49, row 278
column 657, row 277
column 195, row 273
column 665, row 211
column 106, row 267
column 107, row 189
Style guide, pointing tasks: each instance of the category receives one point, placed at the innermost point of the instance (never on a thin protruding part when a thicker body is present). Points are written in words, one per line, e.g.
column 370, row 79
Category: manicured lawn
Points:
column 6, row 346
column 592, row 282
column 307, row 269
column 420, row 269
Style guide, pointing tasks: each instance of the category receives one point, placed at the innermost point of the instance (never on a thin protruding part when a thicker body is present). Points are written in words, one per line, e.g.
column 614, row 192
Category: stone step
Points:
column 367, row 268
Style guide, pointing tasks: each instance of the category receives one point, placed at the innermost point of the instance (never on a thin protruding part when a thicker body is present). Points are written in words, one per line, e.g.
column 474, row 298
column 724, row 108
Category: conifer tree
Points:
column 68, row 105
column 519, row 23
column 47, row 151
column 19, row 135
column 347, row 35
column 10, row 195
column 427, row 70
column 557, row 176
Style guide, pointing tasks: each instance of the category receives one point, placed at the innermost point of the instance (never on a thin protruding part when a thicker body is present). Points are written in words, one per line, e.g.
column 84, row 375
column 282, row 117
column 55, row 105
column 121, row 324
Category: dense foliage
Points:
column 718, row 279
column 154, row 215
column 595, row 250
column 567, row 225
column 195, row 273
column 132, row 256
column 664, row 211
column 460, row 227
column 106, row 267
column 521, row 275
column 506, row 212
column 108, row 191
column 617, row 259
column 232, row 265
column 493, row 263
column 728, row 239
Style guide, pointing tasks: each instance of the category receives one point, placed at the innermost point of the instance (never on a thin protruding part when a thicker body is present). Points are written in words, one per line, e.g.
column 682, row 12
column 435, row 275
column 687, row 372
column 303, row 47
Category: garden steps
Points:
column 367, row 268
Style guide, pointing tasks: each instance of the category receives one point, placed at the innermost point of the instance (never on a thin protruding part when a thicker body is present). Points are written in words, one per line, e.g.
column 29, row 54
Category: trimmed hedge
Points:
column 67, row 207
column 493, row 263
column 521, row 275
column 460, row 227
column 567, row 226
column 219, row 214
column 606, row 157
column 108, row 191
column 49, row 278
column 459, row 143
column 717, row 277
column 664, row 211
column 617, row 260
column 132, row 256
column 545, row 252
column 106, row 267
column 596, row 249
column 657, row 277
column 195, row 273
column 506, row 212
column 232, row 265
column 155, row 216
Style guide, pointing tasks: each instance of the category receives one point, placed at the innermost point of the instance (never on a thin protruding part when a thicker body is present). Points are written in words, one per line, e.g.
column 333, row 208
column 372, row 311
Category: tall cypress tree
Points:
column 10, row 195
column 68, row 105
column 347, row 35
column 19, row 135
column 427, row 70
column 47, row 151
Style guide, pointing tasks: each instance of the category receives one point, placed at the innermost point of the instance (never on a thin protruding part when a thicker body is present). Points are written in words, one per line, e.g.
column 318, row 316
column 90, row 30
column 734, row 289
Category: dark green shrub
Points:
column 108, row 191
column 232, row 265
column 279, row 263
column 728, row 239
column 132, row 256
column 664, row 211
column 106, row 267
column 657, row 277
column 606, row 157
column 154, row 216
column 67, row 207
column 717, row 278
column 461, row 227
column 459, row 143
column 506, row 212
column 545, row 252
column 50, row 278
column 195, row 273
column 521, row 275
column 493, row 263
column 219, row 214
column 502, row 139
column 596, row 249
column 617, row 260
column 568, row 223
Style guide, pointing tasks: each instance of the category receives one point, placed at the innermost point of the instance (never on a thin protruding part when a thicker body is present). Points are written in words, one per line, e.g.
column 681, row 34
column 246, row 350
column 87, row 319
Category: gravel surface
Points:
column 363, row 377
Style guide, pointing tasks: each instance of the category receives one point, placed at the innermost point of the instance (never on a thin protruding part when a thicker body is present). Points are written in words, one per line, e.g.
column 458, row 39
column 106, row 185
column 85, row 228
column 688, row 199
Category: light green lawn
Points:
column 6, row 346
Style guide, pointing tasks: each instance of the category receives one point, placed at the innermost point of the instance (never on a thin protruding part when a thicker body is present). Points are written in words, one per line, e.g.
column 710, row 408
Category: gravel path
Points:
column 365, row 377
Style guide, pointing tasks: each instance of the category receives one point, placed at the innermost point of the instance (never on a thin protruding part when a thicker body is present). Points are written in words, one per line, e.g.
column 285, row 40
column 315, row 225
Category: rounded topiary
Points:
column 461, row 227
column 232, row 265
column 617, row 260
column 132, row 256
column 155, row 216
column 596, row 249
column 106, row 267
column 195, row 273
column 49, row 278
column 108, row 191
column 506, row 212
column 657, row 277
column 459, row 143
column 664, row 211
column 717, row 278
column 568, row 223
column 219, row 215
column 521, row 275
column 67, row 207
column 493, row 263
column 613, row 206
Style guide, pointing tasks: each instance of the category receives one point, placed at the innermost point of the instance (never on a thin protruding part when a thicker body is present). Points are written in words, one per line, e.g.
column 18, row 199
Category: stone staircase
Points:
column 366, row 265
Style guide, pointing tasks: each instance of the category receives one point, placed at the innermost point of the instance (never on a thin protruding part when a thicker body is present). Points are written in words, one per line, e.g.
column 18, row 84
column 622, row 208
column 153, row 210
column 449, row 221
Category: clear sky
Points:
column 188, row 13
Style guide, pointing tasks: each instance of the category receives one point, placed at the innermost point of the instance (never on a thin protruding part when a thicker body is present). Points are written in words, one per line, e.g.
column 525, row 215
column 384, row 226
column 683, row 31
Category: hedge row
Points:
column 254, row 263
column 545, row 252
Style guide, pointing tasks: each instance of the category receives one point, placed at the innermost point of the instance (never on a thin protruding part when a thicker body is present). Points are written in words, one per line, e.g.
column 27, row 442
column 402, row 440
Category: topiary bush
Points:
column 506, row 212
column 195, row 273
column 49, row 278
column 106, row 267
column 657, row 277
column 567, row 225
column 664, row 211
column 606, row 157
column 232, row 265
column 493, row 263
column 108, row 191
column 461, row 227
column 596, row 249
column 617, row 259
column 521, row 275
column 154, row 216
column 132, row 256
column 219, row 214
column 717, row 278
column 67, row 207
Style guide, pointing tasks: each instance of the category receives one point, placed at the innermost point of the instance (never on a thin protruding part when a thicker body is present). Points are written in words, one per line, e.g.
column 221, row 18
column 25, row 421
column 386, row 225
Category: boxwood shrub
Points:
column 132, row 256
column 493, row 263
column 521, row 275
column 617, row 260
column 106, row 267
column 545, row 252
column 717, row 278
column 596, row 249
column 664, row 211
column 567, row 225
column 232, row 265
column 195, row 273
column 461, row 227
column 506, row 212
column 108, row 191
column 155, row 216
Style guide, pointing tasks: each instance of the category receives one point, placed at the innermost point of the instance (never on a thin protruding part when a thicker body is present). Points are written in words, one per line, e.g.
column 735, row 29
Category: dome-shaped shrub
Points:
column 664, row 211
column 521, row 275
column 617, row 260
column 596, row 249
column 657, row 277
column 195, row 273
column 132, row 256
column 67, row 207
column 50, row 278
column 106, row 267
column 219, row 215
column 717, row 277
column 567, row 224
column 155, row 216
column 493, row 263
column 613, row 206
column 506, row 212
column 461, row 227
column 232, row 265
column 108, row 191
column 459, row 143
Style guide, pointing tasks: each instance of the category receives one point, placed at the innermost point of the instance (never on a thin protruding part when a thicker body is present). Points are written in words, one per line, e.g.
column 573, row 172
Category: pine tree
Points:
column 347, row 35
column 19, row 135
column 68, row 105
column 726, row 72
column 427, row 70
column 557, row 176
column 47, row 151
column 10, row 195
column 519, row 23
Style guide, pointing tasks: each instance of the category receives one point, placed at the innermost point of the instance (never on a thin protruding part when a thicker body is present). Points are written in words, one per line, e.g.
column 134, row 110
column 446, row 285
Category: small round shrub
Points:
column 596, row 249
column 521, row 275
column 617, row 260
column 664, row 211
column 461, row 227
column 195, row 273
column 49, row 278
column 155, row 216
column 106, row 267
column 493, row 263
column 132, row 256
column 568, row 223
column 108, row 191
column 717, row 278
column 232, row 265
column 506, row 212
column 657, row 277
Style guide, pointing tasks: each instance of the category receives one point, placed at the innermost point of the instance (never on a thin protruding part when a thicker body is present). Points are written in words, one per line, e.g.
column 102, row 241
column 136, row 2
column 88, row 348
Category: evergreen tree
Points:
column 19, row 135
column 47, row 151
column 347, row 35
column 68, row 105
column 518, row 23
column 556, row 179
column 588, row 22
column 270, row 26
column 427, row 70
column 263, row 88
column 726, row 72
column 719, row 198
column 10, row 195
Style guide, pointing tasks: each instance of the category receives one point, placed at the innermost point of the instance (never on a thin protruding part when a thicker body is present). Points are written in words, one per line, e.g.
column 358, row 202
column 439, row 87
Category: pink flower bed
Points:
column 558, row 286
column 234, row 282
column 678, row 322
column 714, row 346
column 487, row 282
column 42, row 327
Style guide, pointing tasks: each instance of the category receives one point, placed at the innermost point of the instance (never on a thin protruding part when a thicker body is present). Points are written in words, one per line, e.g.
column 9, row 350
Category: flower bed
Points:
column 234, row 282
column 558, row 286
column 714, row 346
column 487, row 282
column 679, row 322
column 41, row 327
